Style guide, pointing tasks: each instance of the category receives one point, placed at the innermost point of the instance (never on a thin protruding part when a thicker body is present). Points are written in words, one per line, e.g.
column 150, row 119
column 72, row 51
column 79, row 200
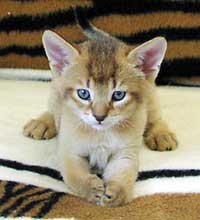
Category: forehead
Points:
column 102, row 60
column 106, row 64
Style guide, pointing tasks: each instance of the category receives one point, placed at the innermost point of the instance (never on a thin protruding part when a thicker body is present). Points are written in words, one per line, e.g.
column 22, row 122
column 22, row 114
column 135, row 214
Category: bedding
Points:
column 167, row 188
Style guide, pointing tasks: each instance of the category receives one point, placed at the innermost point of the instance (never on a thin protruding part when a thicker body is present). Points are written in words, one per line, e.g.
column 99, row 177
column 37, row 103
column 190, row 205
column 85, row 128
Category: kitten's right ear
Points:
column 60, row 53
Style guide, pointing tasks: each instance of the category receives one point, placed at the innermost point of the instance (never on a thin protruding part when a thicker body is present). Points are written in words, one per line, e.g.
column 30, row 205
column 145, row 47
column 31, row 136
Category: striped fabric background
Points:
column 26, row 200
column 17, row 199
column 22, row 23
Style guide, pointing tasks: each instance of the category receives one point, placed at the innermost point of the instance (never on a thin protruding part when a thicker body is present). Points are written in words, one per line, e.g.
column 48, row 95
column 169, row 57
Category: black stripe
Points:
column 171, row 82
column 9, row 194
column 48, row 172
column 29, row 206
column 23, row 50
column 145, row 6
column 169, row 33
column 180, row 67
column 24, row 189
column 66, row 16
column 8, row 190
column 48, row 205
column 8, row 210
column 25, row 0
column 145, row 175
column 37, row 22
column 36, row 169
column 81, row 18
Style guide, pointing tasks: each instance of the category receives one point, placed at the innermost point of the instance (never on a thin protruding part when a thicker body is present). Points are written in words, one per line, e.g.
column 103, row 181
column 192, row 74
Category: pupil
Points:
column 118, row 94
column 83, row 92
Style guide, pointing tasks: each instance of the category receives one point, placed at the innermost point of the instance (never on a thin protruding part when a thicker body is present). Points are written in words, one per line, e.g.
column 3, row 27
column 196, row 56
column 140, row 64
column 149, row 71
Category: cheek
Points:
column 87, row 110
column 76, row 106
column 118, row 112
column 80, row 103
column 130, row 106
column 123, row 102
column 114, row 111
column 124, row 108
column 119, row 106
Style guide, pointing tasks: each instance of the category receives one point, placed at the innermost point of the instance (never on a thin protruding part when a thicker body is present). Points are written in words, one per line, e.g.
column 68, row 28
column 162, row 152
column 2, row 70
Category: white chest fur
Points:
column 97, row 147
column 99, row 156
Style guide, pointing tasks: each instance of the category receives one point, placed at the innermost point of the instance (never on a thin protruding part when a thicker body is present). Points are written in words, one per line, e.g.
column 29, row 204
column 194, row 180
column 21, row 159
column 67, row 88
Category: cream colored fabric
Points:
column 23, row 100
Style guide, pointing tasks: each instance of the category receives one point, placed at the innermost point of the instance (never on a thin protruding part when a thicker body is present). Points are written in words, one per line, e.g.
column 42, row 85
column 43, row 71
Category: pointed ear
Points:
column 60, row 53
column 148, row 57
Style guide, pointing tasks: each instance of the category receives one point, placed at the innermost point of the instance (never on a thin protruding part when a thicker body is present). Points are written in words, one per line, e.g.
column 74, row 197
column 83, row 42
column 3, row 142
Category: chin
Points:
column 99, row 127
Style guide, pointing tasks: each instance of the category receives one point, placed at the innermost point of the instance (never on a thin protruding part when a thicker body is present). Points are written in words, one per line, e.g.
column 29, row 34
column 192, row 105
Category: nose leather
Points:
column 100, row 118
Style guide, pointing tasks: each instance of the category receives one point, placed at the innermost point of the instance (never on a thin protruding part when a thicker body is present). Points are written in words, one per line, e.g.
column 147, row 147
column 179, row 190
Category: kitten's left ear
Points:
column 148, row 57
column 60, row 53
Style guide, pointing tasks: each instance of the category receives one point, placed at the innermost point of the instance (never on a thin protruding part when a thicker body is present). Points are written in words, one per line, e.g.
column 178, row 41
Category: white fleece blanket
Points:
column 160, row 172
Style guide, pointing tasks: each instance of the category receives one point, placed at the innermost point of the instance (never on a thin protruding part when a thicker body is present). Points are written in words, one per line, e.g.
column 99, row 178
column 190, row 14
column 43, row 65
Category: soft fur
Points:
column 86, row 147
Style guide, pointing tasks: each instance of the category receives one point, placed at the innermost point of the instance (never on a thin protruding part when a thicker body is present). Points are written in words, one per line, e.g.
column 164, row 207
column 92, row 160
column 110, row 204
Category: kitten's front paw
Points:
column 39, row 129
column 114, row 195
column 161, row 139
column 94, row 189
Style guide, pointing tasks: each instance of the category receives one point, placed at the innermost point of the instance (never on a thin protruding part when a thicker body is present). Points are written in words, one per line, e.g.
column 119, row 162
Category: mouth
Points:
column 99, row 126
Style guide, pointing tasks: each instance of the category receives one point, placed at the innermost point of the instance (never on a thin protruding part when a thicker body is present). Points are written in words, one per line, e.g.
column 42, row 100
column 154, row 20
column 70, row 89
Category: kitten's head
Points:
column 104, row 83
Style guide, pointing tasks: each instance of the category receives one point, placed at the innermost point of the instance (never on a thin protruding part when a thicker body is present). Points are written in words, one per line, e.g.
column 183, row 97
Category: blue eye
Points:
column 83, row 94
column 118, row 95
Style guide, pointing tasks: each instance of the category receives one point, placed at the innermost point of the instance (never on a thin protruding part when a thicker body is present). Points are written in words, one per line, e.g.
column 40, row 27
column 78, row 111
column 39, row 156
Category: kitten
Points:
column 103, row 104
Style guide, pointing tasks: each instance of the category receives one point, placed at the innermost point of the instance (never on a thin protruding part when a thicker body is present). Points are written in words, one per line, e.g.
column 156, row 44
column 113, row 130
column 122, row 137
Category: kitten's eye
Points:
column 83, row 94
column 118, row 95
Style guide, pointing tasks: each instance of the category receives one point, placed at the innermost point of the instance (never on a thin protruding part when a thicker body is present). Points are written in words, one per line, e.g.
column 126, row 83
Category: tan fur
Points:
column 41, row 128
column 157, row 135
column 101, row 67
